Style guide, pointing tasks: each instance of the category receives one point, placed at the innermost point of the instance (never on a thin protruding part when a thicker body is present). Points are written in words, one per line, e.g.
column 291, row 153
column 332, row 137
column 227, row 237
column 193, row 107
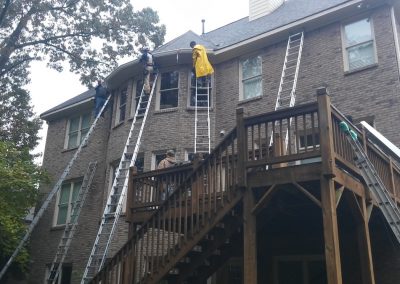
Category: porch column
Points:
column 249, row 239
column 328, row 199
column 364, row 246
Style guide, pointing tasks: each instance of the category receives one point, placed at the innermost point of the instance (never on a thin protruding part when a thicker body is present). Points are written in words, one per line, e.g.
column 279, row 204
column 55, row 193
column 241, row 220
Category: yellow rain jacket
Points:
column 200, row 61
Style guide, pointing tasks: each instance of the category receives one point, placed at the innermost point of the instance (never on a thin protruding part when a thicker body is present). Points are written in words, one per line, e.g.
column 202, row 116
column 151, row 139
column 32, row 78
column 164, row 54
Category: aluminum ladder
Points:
column 115, row 199
column 55, row 189
column 374, row 182
column 202, row 139
column 71, row 227
column 287, row 86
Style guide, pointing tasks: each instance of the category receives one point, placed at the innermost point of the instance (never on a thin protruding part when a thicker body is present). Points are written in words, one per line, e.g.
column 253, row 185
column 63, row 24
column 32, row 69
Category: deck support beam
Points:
column 249, row 239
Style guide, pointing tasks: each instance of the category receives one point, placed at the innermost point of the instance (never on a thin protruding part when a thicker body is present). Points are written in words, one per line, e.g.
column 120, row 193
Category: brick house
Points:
column 350, row 46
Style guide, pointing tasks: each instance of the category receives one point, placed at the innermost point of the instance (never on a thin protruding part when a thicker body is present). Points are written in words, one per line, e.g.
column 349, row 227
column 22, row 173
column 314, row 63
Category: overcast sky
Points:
column 49, row 88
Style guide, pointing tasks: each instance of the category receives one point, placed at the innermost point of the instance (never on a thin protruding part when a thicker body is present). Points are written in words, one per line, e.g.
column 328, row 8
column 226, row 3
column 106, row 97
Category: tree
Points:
column 19, row 175
column 20, row 178
column 91, row 35
column 17, row 121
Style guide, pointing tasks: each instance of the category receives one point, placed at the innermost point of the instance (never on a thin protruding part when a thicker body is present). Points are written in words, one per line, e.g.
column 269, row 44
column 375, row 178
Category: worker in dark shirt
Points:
column 99, row 98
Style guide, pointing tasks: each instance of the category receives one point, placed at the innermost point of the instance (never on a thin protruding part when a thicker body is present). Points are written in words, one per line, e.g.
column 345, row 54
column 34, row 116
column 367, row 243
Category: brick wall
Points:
column 373, row 91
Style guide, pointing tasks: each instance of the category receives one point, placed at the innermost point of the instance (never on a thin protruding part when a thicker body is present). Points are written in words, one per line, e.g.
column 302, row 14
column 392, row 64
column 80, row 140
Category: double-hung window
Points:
column 121, row 105
column 359, row 45
column 251, row 79
column 65, row 202
column 203, row 90
column 169, row 88
column 77, row 129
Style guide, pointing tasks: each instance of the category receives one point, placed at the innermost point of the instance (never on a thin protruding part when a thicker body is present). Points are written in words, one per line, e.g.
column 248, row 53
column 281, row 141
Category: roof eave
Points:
column 60, row 112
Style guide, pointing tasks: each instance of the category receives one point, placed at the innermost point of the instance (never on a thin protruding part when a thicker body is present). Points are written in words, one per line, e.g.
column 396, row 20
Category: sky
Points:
column 49, row 88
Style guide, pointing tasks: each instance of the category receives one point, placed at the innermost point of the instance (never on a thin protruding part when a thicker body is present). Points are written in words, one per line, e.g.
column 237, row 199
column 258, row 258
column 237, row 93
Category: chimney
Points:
column 202, row 26
column 259, row 8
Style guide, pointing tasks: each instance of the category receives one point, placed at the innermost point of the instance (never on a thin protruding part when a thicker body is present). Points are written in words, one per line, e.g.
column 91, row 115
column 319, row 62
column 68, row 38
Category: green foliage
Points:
column 91, row 35
column 19, row 178
column 17, row 121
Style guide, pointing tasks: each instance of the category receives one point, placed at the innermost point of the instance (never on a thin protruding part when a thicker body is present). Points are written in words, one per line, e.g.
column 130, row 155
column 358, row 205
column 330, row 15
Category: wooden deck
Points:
column 206, row 202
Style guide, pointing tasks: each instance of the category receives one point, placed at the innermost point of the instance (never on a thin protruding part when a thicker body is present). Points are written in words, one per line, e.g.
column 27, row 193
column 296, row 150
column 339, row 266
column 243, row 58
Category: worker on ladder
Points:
column 148, row 64
column 201, row 65
column 99, row 98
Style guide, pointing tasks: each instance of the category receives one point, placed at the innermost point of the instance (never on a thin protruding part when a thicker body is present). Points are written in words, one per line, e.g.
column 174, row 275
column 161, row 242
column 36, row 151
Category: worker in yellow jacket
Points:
column 200, row 60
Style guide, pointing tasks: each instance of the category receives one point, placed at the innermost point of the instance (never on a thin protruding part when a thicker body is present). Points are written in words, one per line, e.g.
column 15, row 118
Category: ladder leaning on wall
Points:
column 113, row 208
column 374, row 182
column 202, row 139
column 54, row 190
column 287, row 86
column 71, row 227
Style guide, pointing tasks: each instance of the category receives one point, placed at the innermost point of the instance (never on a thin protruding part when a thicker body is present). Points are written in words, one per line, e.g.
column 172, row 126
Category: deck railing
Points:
column 183, row 200
column 191, row 204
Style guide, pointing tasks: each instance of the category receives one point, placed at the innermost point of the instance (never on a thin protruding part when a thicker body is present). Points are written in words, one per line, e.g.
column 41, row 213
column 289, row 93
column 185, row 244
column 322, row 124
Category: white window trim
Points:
column 153, row 158
column 56, row 210
column 345, row 47
column 241, row 92
column 158, row 88
column 79, row 130
column 211, row 94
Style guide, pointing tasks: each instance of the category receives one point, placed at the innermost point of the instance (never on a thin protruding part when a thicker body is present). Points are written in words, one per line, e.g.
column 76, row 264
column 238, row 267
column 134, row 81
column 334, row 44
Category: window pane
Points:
column 139, row 87
column 358, row 32
column 168, row 99
column 64, row 193
column 62, row 214
column 361, row 55
column 169, row 80
column 74, row 124
column 72, row 140
column 202, row 85
column 139, row 164
column 252, row 88
column 251, row 67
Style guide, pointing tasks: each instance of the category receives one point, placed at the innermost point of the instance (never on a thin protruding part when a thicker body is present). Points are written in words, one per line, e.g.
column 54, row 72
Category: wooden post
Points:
column 328, row 198
column 130, row 199
column 325, row 132
column 364, row 245
column 241, row 148
column 249, row 239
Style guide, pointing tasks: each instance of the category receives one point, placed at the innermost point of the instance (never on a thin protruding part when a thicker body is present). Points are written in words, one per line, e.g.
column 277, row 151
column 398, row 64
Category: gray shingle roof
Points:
column 235, row 32
column 79, row 98
column 240, row 30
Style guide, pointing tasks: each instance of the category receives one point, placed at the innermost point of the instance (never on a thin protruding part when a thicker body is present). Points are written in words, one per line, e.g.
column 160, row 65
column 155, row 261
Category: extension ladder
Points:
column 287, row 86
column 118, row 191
column 202, row 140
column 70, row 228
column 55, row 189
column 374, row 182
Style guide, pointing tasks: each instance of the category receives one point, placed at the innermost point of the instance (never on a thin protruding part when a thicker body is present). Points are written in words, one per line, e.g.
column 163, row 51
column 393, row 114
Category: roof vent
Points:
column 259, row 8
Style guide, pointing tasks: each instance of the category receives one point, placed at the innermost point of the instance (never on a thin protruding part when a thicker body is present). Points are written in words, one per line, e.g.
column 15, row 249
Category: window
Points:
column 203, row 88
column 156, row 159
column 189, row 155
column 308, row 141
column 169, row 90
column 77, row 129
column 121, row 105
column 64, row 277
column 138, row 92
column 359, row 45
column 65, row 202
column 250, row 73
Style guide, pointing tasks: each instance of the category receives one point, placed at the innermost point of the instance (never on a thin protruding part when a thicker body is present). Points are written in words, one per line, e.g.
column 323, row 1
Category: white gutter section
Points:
column 393, row 148
column 288, row 26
